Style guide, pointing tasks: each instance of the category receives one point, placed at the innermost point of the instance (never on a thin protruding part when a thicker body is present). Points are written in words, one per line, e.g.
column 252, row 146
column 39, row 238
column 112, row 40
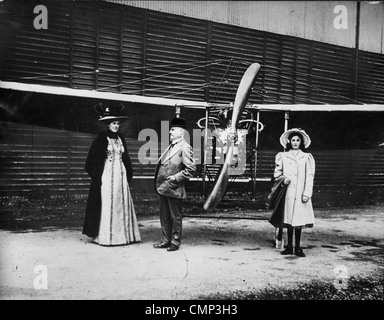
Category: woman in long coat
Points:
column 110, row 217
column 298, row 169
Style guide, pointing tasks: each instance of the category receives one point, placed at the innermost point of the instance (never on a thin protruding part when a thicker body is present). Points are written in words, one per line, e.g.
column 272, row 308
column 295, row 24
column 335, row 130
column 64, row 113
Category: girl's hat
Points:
column 284, row 138
column 107, row 113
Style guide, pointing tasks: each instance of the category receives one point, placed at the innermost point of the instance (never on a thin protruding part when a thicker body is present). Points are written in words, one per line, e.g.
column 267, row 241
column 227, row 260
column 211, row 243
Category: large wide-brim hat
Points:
column 284, row 138
column 178, row 122
column 109, row 113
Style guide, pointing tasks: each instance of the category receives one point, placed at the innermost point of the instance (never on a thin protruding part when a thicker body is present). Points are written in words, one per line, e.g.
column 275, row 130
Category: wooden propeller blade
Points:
column 242, row 95
column 221, row 184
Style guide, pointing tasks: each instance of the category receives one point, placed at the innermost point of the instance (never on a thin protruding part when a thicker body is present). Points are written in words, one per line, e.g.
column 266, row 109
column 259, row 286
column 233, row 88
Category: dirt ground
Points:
column 218, row 255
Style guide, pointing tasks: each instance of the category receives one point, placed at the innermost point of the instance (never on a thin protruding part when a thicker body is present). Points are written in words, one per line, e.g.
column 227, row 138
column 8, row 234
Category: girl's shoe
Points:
column 288, row 250
column 299, row 252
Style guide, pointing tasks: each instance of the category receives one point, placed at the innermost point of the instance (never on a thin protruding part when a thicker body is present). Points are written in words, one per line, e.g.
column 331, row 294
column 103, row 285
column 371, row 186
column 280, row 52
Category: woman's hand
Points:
column 304, row 199
column 287, row 181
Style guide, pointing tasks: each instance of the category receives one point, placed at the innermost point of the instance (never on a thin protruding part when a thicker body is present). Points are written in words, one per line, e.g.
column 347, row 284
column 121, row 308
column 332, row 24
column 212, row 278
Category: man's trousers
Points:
column 171, row 219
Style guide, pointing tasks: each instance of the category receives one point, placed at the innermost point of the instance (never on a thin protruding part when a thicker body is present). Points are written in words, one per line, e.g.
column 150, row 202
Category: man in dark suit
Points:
column 176, row 166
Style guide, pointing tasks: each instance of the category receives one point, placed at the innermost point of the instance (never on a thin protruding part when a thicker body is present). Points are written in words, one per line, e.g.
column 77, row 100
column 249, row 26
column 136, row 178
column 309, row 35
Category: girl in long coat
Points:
column 298, row 169
column 110, row 217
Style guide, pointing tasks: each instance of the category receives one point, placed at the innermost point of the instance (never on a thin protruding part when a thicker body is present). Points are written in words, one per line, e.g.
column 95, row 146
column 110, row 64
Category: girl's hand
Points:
column 305, row 199
column 171, row 179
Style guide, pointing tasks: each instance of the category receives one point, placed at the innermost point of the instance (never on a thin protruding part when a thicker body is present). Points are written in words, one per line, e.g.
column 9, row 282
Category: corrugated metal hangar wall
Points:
column 116, row 48
column 312, row 20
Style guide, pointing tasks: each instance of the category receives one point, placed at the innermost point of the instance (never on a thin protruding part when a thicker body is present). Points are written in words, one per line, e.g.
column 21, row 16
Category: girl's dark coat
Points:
column 276, row 201
column 94, row 166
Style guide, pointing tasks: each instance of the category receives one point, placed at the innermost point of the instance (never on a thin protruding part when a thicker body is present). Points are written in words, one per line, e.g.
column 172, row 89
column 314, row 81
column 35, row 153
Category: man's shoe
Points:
column 299, row 252
column 288, row 250
column 172, row 247
column 161, row 245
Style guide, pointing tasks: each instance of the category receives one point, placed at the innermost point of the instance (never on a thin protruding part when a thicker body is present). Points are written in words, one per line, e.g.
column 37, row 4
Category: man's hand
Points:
column 287, row 181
